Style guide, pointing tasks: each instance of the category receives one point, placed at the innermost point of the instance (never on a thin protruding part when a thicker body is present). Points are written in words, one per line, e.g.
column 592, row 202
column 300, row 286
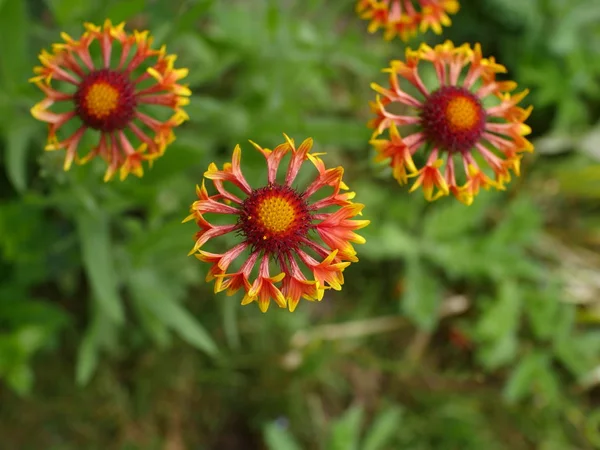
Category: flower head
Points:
column 465, row 115
column 306, row 233
column 108, row 92
column 405, row 17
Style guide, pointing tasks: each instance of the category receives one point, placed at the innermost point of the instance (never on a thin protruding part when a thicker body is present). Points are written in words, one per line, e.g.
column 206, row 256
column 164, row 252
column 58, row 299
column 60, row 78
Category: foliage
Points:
column 460, row 327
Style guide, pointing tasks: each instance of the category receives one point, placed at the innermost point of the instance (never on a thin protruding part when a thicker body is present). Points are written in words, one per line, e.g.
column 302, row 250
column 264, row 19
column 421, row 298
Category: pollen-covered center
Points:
column 462, row 113
column 453, row 118
column 101, row 99
column 275, row 219
column 105, row 100
column 276, row 214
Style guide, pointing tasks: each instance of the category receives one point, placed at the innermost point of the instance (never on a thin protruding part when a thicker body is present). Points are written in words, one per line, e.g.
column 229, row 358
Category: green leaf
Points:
column 474, row 260
column 522, row 378
column 592, row 428
column 582, row 182
column 20, row 378
column 422, row 296
column 499, row 352
column 18, row 137
column 21, row 309
column 30, row 339
column 567, row 35
column 547, row 386
column 385, row 426
column 345, row 432
column 14, row 28
column 191, row 16
column 578, row 352
column 542, row 310
column 521, row 225
column 497, row 328
column 69, row 11
column 154, row 326
column 454, row 219
column 230, row 310
column 273, row 17
column 184, row 324
column 195, row 51
column 388, row 240
column 124, row 10
column 574, row 350
column 87, row 357
column 278, row 438
column 334, row 131
column 502, row 317
column 154, row 294
column 101, row 334
column 94, row 236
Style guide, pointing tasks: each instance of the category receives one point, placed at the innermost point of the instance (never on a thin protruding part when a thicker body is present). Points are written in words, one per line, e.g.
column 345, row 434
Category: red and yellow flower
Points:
column 405, row 17
column 308, row 234
column 465, row 114
column 108, row 92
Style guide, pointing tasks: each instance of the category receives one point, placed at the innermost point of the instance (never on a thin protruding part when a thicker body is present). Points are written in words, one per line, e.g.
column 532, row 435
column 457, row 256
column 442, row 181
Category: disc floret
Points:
column 275, row 219
column 453, row 118
column 105, row 100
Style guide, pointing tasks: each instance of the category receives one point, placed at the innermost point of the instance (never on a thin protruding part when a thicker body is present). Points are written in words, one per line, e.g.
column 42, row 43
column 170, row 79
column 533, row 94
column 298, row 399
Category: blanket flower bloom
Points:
column 307, row 234
column 466, row 115
column 403, row 18
column 107, row 93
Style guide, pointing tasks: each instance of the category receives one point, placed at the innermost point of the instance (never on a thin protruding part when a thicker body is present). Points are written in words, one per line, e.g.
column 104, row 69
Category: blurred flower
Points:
column 280, row 225
column 402, row 18
column 109, row 99
column 466, row 114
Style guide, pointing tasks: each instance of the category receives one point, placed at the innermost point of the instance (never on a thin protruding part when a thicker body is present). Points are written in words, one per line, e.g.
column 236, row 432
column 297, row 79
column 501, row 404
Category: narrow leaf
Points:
column 13, row 42
column 156, row 297
column 278, row 438
column 345, row 432
column 69, row 11
column 520, row 382
column 20, row 378
column 100, row 335
column 87, row 357
column 18, row 137
column 384, row 428
column 423, row 295
column 98, row 262
column 124, row 9
column 193, row 14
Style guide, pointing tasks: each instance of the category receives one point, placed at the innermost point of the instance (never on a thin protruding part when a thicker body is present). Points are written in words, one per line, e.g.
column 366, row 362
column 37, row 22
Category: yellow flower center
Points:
column 453, row 118
column 106, row 100
column 275, row 219
column 101, row 100
column 462, row 113
column 276, row 214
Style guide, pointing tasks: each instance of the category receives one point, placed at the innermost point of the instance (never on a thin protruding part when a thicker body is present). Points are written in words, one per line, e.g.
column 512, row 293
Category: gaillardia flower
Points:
column 108, row 92
column 405, row 17
column 307, row 234
column 461, row 114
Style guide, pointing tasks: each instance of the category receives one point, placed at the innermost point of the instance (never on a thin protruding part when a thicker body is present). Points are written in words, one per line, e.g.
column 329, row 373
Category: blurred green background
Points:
column 461, row 328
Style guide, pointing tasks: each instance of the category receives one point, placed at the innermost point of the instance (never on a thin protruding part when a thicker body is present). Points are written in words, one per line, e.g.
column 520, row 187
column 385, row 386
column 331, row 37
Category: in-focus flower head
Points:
column 465, row 115
column 306, row 235
column 107, row 91
column 405, row 18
